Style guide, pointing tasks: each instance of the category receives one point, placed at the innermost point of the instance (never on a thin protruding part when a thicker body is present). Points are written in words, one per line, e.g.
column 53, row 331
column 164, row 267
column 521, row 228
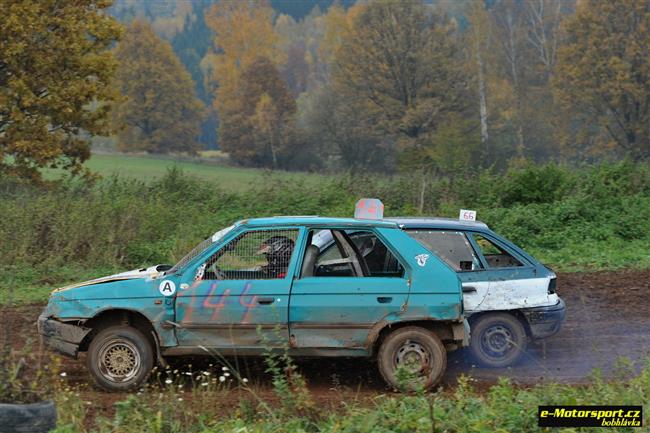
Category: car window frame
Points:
column 525, row 263
column 350, row 242
column 386, row 244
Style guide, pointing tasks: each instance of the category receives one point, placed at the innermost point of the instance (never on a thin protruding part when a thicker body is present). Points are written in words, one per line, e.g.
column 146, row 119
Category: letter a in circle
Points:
column 167, row 288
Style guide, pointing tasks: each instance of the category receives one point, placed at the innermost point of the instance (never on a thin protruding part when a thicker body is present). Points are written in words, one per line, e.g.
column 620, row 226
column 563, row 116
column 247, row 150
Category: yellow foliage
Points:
column 243, row 32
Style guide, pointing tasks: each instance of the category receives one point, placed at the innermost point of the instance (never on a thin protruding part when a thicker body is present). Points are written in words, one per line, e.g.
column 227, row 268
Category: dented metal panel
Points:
column 138, row 294
column 515, row 293
column 61, row 337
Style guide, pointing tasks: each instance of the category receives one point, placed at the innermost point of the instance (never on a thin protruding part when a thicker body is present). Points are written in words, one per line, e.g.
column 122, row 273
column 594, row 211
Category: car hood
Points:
column 151, row 273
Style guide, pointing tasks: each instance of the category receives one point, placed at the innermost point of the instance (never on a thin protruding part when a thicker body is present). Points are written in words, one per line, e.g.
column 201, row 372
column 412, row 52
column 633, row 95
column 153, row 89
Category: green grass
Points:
column 147, row 168
column 33, row 286
column 503, row 408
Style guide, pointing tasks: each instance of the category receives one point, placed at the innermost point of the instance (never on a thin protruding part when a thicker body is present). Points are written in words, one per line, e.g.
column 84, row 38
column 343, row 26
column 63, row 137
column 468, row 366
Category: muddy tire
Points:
column 120, row 358
column 497, row 340
column 419, row 351
column 28, row 418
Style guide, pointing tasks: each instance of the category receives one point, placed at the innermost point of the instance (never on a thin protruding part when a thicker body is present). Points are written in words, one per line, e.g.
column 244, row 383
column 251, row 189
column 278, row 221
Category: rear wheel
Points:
column 120, row 358
column 497, row 340
column 412, row 357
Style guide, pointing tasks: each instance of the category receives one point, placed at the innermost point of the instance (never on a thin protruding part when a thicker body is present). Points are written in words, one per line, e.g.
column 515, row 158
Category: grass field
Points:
column 146, row 168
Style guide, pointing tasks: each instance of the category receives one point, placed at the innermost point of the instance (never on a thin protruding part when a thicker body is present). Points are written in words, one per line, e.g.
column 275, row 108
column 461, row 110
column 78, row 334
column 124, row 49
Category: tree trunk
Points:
column 423, row 187
column 521, row 141
column 482, row 99
column 274, row 156
column 274, row 137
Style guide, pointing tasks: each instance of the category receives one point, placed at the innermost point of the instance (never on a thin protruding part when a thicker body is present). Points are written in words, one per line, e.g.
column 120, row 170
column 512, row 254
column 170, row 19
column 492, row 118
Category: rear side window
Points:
column 451, row 246
column 495, row 256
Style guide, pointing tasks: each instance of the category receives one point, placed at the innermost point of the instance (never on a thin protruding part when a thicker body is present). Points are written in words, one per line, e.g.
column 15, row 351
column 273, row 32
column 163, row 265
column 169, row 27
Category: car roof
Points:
column 437, row 223
column 301, row 220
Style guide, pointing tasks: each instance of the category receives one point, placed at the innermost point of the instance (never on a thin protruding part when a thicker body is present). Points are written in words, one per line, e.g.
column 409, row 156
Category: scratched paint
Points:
column 227, row 313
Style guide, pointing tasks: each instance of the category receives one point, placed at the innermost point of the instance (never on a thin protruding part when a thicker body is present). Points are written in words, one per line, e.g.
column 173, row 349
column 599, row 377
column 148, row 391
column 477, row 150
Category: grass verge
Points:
column 197, row 407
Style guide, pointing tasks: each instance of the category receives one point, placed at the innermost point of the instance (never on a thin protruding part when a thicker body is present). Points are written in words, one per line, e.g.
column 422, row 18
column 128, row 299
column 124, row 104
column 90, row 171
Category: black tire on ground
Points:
column 120, row 358
column 28, row 418
column 497, row 340
column 417, row 349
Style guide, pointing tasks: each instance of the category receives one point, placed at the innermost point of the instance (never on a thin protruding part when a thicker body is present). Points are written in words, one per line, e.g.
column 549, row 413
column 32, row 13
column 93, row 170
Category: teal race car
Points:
column 265, row 284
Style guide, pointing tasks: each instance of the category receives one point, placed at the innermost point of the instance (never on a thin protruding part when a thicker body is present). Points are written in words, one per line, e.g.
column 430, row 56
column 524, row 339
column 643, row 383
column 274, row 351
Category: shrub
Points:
column 570, row 217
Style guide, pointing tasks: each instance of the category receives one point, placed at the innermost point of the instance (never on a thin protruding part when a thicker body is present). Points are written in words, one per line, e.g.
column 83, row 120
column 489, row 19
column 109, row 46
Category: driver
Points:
column 277, row 250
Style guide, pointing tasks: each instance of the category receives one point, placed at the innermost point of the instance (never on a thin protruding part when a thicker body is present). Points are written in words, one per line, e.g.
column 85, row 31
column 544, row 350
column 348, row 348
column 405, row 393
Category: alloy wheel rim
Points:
column 119, row 360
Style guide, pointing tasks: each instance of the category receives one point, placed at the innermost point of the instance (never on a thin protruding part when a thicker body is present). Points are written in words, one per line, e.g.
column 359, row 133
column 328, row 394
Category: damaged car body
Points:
column 264, row 284
column 509, row 297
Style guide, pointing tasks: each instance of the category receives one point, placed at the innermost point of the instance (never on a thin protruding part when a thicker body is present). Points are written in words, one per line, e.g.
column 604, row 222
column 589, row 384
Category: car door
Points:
column 513, row 280
column 456, row 249
column 238, row 298
column 335, row 299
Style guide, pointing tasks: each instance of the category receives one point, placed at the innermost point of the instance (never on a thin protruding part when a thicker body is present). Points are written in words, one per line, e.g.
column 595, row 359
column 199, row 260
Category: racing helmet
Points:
column 277, row 250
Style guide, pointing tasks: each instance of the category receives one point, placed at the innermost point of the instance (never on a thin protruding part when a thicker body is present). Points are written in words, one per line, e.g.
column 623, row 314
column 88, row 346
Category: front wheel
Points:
column 497, row 340
column 120, row 358
column 412, row 357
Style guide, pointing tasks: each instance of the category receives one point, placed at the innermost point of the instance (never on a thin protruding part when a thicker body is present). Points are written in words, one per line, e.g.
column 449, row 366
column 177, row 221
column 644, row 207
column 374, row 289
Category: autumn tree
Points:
column 402, row 64
column 55, row 75
column 258, row 129
column 333, row 125
column 603, row 72
column 243, row 34
column 160, row 112
column 332, row 121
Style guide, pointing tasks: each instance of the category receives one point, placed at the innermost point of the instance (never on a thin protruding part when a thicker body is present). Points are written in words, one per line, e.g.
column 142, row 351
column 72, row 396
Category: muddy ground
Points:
column 608, row 317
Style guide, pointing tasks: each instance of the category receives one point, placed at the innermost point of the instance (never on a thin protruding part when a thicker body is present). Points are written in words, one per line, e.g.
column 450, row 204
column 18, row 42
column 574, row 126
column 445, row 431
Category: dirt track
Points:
column 608, row 316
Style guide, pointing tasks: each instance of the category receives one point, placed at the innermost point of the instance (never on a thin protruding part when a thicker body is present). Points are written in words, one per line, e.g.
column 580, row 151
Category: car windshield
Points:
column 202, row 246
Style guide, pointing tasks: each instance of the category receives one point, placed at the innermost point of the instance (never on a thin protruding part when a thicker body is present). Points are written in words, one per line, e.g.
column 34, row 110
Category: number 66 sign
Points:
column 467, row 215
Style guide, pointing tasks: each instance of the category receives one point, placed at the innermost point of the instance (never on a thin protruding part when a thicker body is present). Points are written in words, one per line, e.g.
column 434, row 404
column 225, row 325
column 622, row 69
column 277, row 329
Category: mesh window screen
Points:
column 200, row 248
column 254, row 255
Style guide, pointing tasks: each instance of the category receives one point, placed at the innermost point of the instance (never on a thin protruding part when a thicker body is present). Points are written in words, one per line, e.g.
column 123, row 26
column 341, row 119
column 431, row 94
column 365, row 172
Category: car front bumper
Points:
column 545, row 321
column 61, row 337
